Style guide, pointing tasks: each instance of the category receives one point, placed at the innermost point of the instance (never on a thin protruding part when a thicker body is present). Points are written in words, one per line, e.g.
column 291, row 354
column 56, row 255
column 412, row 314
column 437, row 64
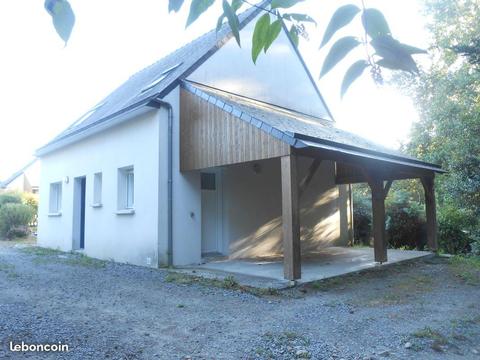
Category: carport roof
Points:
column 301, row 130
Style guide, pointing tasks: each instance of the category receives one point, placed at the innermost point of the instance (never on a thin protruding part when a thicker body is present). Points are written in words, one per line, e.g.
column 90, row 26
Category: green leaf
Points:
column 352, row 74
column 374, row 23
column 273, row 31
column 294, row 35
column 63, row 17
column 393, row 53
column 197, row 8
column 236, row 5
column 338, row 51
column 342, row 17
column 299, row 18
column 232, row 18
column 260, row 35
column 174, row 5
column 284, row 4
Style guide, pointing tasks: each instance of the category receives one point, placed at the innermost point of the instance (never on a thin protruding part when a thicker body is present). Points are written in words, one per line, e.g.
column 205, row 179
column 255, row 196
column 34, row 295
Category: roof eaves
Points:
column 307, row 141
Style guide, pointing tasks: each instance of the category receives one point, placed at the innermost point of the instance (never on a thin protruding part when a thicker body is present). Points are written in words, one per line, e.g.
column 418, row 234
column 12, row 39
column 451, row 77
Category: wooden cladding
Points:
column 211, row 137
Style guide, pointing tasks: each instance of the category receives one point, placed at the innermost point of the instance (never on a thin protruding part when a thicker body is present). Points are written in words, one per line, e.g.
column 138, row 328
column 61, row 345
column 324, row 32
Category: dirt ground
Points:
column 429, row 309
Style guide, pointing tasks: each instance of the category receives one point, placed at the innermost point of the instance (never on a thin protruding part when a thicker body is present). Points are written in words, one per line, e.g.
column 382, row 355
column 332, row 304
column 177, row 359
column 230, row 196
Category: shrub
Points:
column 405, row 222
column 10, row 198
column 31, row 200
column 362, row 218
column 454, row 230
column 13, row 218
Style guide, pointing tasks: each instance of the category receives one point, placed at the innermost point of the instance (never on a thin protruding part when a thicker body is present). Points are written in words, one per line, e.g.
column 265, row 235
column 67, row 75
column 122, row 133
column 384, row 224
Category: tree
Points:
column 383, row 51
column 448, row 99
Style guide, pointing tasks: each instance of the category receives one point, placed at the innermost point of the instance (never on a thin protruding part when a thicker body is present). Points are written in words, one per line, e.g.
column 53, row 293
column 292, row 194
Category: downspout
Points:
column 169, row 108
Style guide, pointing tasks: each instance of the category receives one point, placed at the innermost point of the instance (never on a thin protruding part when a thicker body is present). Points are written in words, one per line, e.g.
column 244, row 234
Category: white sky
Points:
column 45, row 86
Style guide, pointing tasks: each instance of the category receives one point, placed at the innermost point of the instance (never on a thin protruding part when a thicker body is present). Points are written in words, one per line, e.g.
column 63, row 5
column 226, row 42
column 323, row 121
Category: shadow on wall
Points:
column 255, row 222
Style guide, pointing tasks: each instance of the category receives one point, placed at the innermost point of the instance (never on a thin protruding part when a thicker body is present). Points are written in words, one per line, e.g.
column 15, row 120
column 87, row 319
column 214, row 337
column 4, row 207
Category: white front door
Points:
column 211, row 213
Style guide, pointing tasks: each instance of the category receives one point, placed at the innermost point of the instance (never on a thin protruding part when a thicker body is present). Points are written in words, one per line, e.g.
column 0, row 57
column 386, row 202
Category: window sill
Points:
column 126, row 212
column 56, row 214
column 97, row 205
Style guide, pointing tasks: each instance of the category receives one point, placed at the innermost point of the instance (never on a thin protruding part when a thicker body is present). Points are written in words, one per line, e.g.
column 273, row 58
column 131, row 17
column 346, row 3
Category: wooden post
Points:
column 290, row 219
column 431, row 211
column 378, row 215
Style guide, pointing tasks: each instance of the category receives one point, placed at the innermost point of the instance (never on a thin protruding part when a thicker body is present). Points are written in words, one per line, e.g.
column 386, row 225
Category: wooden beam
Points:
column 290, row 219
column 378, row 218
column 379, row 194
column 431, row 211
column 309, row 176
column 388, row 185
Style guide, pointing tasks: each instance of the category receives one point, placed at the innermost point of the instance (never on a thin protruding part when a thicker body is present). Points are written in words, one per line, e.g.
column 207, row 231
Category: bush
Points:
column 31, row 200
column 405, row 222
column 362, row 218
column 10, row 198
column 14, row 219
column 454, row 230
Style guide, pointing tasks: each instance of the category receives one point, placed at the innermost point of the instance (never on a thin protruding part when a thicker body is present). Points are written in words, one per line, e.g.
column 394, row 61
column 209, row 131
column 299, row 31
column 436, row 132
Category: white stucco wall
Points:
column 187, row 210
column 253, row 209
column 123, row 238
column 142, row 238
column 278, row 78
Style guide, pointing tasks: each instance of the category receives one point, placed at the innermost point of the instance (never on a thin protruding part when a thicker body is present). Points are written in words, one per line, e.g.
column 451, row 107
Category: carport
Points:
column 221, row 129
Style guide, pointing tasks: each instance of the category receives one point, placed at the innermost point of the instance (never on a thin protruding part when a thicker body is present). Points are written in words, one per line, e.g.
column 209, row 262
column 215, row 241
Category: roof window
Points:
column 162, row 76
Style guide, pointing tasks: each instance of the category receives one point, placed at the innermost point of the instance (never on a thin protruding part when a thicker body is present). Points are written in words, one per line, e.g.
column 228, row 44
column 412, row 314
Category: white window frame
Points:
column 126, row 190
column 97, row 189
column 129, row 189
column 55, row 199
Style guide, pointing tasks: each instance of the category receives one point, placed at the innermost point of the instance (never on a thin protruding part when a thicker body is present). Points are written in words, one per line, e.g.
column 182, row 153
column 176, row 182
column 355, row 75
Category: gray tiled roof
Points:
column 300, row 130
column 130, row 95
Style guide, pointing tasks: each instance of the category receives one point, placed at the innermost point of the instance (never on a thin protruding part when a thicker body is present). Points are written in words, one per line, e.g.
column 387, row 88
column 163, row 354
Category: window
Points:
column 97, row 189
column 87, row 114
column 162, row 76
column 130, row 189
column 208, row 181
column 126, row 188
column 55, row 206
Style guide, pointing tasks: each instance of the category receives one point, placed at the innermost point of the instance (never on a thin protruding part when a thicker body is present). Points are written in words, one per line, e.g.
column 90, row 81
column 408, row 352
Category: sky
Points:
column 45, row 86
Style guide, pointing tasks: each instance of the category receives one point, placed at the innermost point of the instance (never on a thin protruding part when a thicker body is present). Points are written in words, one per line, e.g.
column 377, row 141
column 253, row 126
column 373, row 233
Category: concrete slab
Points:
column 330, row 262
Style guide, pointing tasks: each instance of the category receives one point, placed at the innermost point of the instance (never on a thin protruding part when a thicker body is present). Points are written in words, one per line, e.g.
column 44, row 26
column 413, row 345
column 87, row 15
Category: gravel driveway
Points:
column 104, row 310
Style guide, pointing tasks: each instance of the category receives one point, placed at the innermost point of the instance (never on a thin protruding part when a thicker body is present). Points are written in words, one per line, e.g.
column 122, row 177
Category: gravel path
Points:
column 102, row 310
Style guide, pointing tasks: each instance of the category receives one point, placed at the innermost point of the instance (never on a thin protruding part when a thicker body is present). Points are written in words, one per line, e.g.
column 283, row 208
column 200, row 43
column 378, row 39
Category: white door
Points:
column 211, row 213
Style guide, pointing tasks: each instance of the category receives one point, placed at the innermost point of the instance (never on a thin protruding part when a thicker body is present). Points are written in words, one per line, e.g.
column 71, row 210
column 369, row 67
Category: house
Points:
column 206, row 154
column 26, row 179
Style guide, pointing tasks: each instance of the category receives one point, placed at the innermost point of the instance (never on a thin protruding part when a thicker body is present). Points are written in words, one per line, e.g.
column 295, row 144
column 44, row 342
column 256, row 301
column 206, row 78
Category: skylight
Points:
column 88, row 114
column 162, row 76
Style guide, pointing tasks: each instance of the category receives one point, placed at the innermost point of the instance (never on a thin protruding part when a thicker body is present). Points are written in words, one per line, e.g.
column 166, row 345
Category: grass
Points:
column 228, row 282
column 40, row 251
column 466, row 268
column 86, row 261
column 430, row 334
column 46, row 255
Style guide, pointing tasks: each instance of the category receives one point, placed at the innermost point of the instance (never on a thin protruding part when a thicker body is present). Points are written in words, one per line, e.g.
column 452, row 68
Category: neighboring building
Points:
column 206, row 153
column 27, row 179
